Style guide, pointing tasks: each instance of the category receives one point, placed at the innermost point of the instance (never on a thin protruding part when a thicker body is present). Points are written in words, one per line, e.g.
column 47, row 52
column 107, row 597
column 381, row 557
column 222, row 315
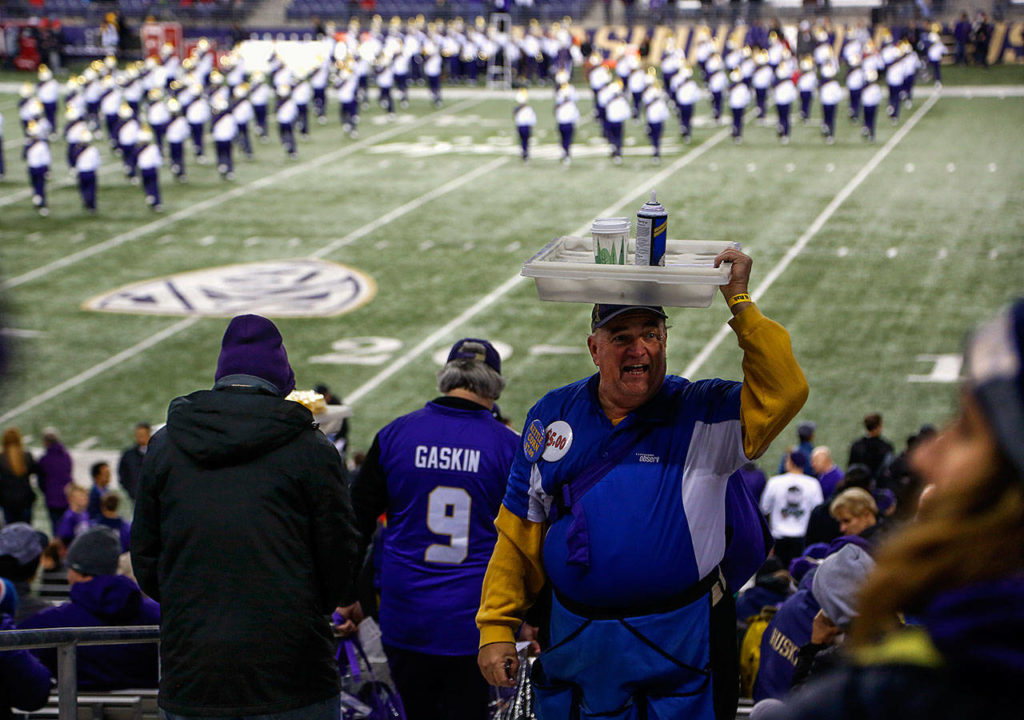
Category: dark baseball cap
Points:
column 464, row 350
column 95, row 552
column 603, row 314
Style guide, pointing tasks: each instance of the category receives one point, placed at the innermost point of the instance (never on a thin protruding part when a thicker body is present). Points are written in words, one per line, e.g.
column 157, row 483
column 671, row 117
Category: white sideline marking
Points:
column 99, row 368
column 817, row 225
column 89, row 442
column 428, row 343
column 185, row 324
column 945, row 368
column 215, row 201
column 19, row 333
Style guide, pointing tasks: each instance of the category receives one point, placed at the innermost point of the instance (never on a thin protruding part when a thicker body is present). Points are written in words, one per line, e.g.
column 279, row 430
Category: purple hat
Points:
column 603, row 314
column 485, row 353
column 798, row 458
column 884, row 499
column 252, row 345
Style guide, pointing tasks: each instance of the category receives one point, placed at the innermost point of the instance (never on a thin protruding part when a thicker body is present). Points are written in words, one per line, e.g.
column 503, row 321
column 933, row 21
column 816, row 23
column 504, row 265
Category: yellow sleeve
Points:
column 774, row 386
column 515, row 575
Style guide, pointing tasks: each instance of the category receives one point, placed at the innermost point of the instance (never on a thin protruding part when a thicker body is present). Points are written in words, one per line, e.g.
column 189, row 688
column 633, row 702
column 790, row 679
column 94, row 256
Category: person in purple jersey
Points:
column 440, row 474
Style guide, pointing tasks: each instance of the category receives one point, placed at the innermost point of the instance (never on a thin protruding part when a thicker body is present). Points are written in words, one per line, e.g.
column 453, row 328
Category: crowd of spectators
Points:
column 901, row 567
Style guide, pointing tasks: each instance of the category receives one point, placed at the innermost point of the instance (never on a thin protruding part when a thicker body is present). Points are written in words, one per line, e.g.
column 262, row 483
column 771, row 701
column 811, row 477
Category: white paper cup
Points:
column 610, row 237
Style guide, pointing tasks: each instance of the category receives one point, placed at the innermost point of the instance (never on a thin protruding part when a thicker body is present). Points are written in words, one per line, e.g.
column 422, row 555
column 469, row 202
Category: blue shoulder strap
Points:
column 570, row 495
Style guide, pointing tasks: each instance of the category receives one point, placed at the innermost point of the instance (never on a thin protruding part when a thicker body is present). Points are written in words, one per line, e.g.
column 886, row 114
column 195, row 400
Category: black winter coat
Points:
column 243, row 532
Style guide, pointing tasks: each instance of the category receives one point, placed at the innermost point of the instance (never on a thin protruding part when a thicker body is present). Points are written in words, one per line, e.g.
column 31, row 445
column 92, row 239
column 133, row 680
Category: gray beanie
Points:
column 95, row 552
column 838, row 580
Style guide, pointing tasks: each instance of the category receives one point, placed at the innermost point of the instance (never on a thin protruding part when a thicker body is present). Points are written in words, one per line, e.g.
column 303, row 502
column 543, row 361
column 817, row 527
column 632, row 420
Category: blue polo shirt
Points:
column 657, row 520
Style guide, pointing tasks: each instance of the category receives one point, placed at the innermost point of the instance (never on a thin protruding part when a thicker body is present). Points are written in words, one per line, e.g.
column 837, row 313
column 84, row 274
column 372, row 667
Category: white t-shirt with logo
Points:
column 787, row 501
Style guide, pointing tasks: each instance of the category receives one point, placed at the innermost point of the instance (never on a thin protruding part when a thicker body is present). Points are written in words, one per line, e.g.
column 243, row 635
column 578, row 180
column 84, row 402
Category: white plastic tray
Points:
column 565, row 271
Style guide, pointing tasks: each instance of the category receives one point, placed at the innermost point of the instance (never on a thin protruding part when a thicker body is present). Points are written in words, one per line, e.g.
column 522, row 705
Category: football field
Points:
column 374, row 254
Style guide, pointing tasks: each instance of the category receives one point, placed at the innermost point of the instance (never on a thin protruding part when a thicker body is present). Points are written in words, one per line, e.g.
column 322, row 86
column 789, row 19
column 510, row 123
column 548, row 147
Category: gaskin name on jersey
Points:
column 447, row 458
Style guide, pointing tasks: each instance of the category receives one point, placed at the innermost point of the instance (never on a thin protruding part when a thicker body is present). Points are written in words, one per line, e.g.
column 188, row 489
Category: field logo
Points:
column 278, row 288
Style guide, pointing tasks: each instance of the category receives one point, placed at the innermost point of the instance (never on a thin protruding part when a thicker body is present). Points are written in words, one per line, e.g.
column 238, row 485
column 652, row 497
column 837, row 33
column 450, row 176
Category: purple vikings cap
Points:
column 603, row 314
column 487, row 355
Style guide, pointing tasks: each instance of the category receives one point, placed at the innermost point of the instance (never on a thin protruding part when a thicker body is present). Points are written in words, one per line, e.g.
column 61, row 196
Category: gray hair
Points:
column 471, row 374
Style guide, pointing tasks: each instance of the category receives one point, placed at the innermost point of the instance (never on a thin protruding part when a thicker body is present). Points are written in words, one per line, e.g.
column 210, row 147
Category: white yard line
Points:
column 111, row 362
column 428, row 343
column 218, row 200
column 409, row 207
column 182, row 325
column 817, row 225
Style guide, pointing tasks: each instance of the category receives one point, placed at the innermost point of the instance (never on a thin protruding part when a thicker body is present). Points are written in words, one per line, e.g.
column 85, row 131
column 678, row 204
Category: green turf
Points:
column 927, row 245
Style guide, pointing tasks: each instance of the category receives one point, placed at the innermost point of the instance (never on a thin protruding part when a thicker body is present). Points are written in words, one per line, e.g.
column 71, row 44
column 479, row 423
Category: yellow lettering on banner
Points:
column 837, row 44
column 880, row 32
column 738, row 36
column 1016, row 37
column 723, row 32
column 682, row 35
column 638, row 35
column 603, row 39
column 995, row 49
column 661, row 35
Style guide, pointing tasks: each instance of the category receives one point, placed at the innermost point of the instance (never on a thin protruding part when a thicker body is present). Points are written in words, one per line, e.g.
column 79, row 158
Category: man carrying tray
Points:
column 618, row 498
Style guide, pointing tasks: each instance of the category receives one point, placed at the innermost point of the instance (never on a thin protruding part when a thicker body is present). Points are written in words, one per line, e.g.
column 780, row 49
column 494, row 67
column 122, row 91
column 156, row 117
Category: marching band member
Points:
column 224, row 131
column 86, row 164
column 687, row 95
column 830, row 93
column 150, row 161
column 157, row 114
column 243, row 112
column 806, row 83
column 348, row 98
column 567, row 114
column 656, row 113
column 37, row 160
column 197, row 113
column 785, row 96
column 525, row 119
column 870, row 99
column 739, row 98
column 48, row 92
column 177, row 134
column 127, row 139
column 616, row 114
column 286, row 115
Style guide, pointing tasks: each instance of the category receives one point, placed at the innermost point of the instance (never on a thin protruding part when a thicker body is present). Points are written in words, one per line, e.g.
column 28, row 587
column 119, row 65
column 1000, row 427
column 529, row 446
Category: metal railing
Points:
column 66, row 641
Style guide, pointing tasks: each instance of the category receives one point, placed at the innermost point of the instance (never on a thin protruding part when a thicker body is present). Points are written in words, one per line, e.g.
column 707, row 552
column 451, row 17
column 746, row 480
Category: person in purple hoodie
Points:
column 958, row 570
column 54, row 475
column 24, row 681
column 102, row 598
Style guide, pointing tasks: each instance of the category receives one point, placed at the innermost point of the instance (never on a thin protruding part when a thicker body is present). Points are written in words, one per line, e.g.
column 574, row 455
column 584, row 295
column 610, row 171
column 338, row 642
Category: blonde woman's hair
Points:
column 14, row 451
column 965, row 536
column 855, row 501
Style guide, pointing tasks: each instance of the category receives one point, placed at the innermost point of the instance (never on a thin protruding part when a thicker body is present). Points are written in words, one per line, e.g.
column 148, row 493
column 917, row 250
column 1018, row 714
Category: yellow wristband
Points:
column 737, row 299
